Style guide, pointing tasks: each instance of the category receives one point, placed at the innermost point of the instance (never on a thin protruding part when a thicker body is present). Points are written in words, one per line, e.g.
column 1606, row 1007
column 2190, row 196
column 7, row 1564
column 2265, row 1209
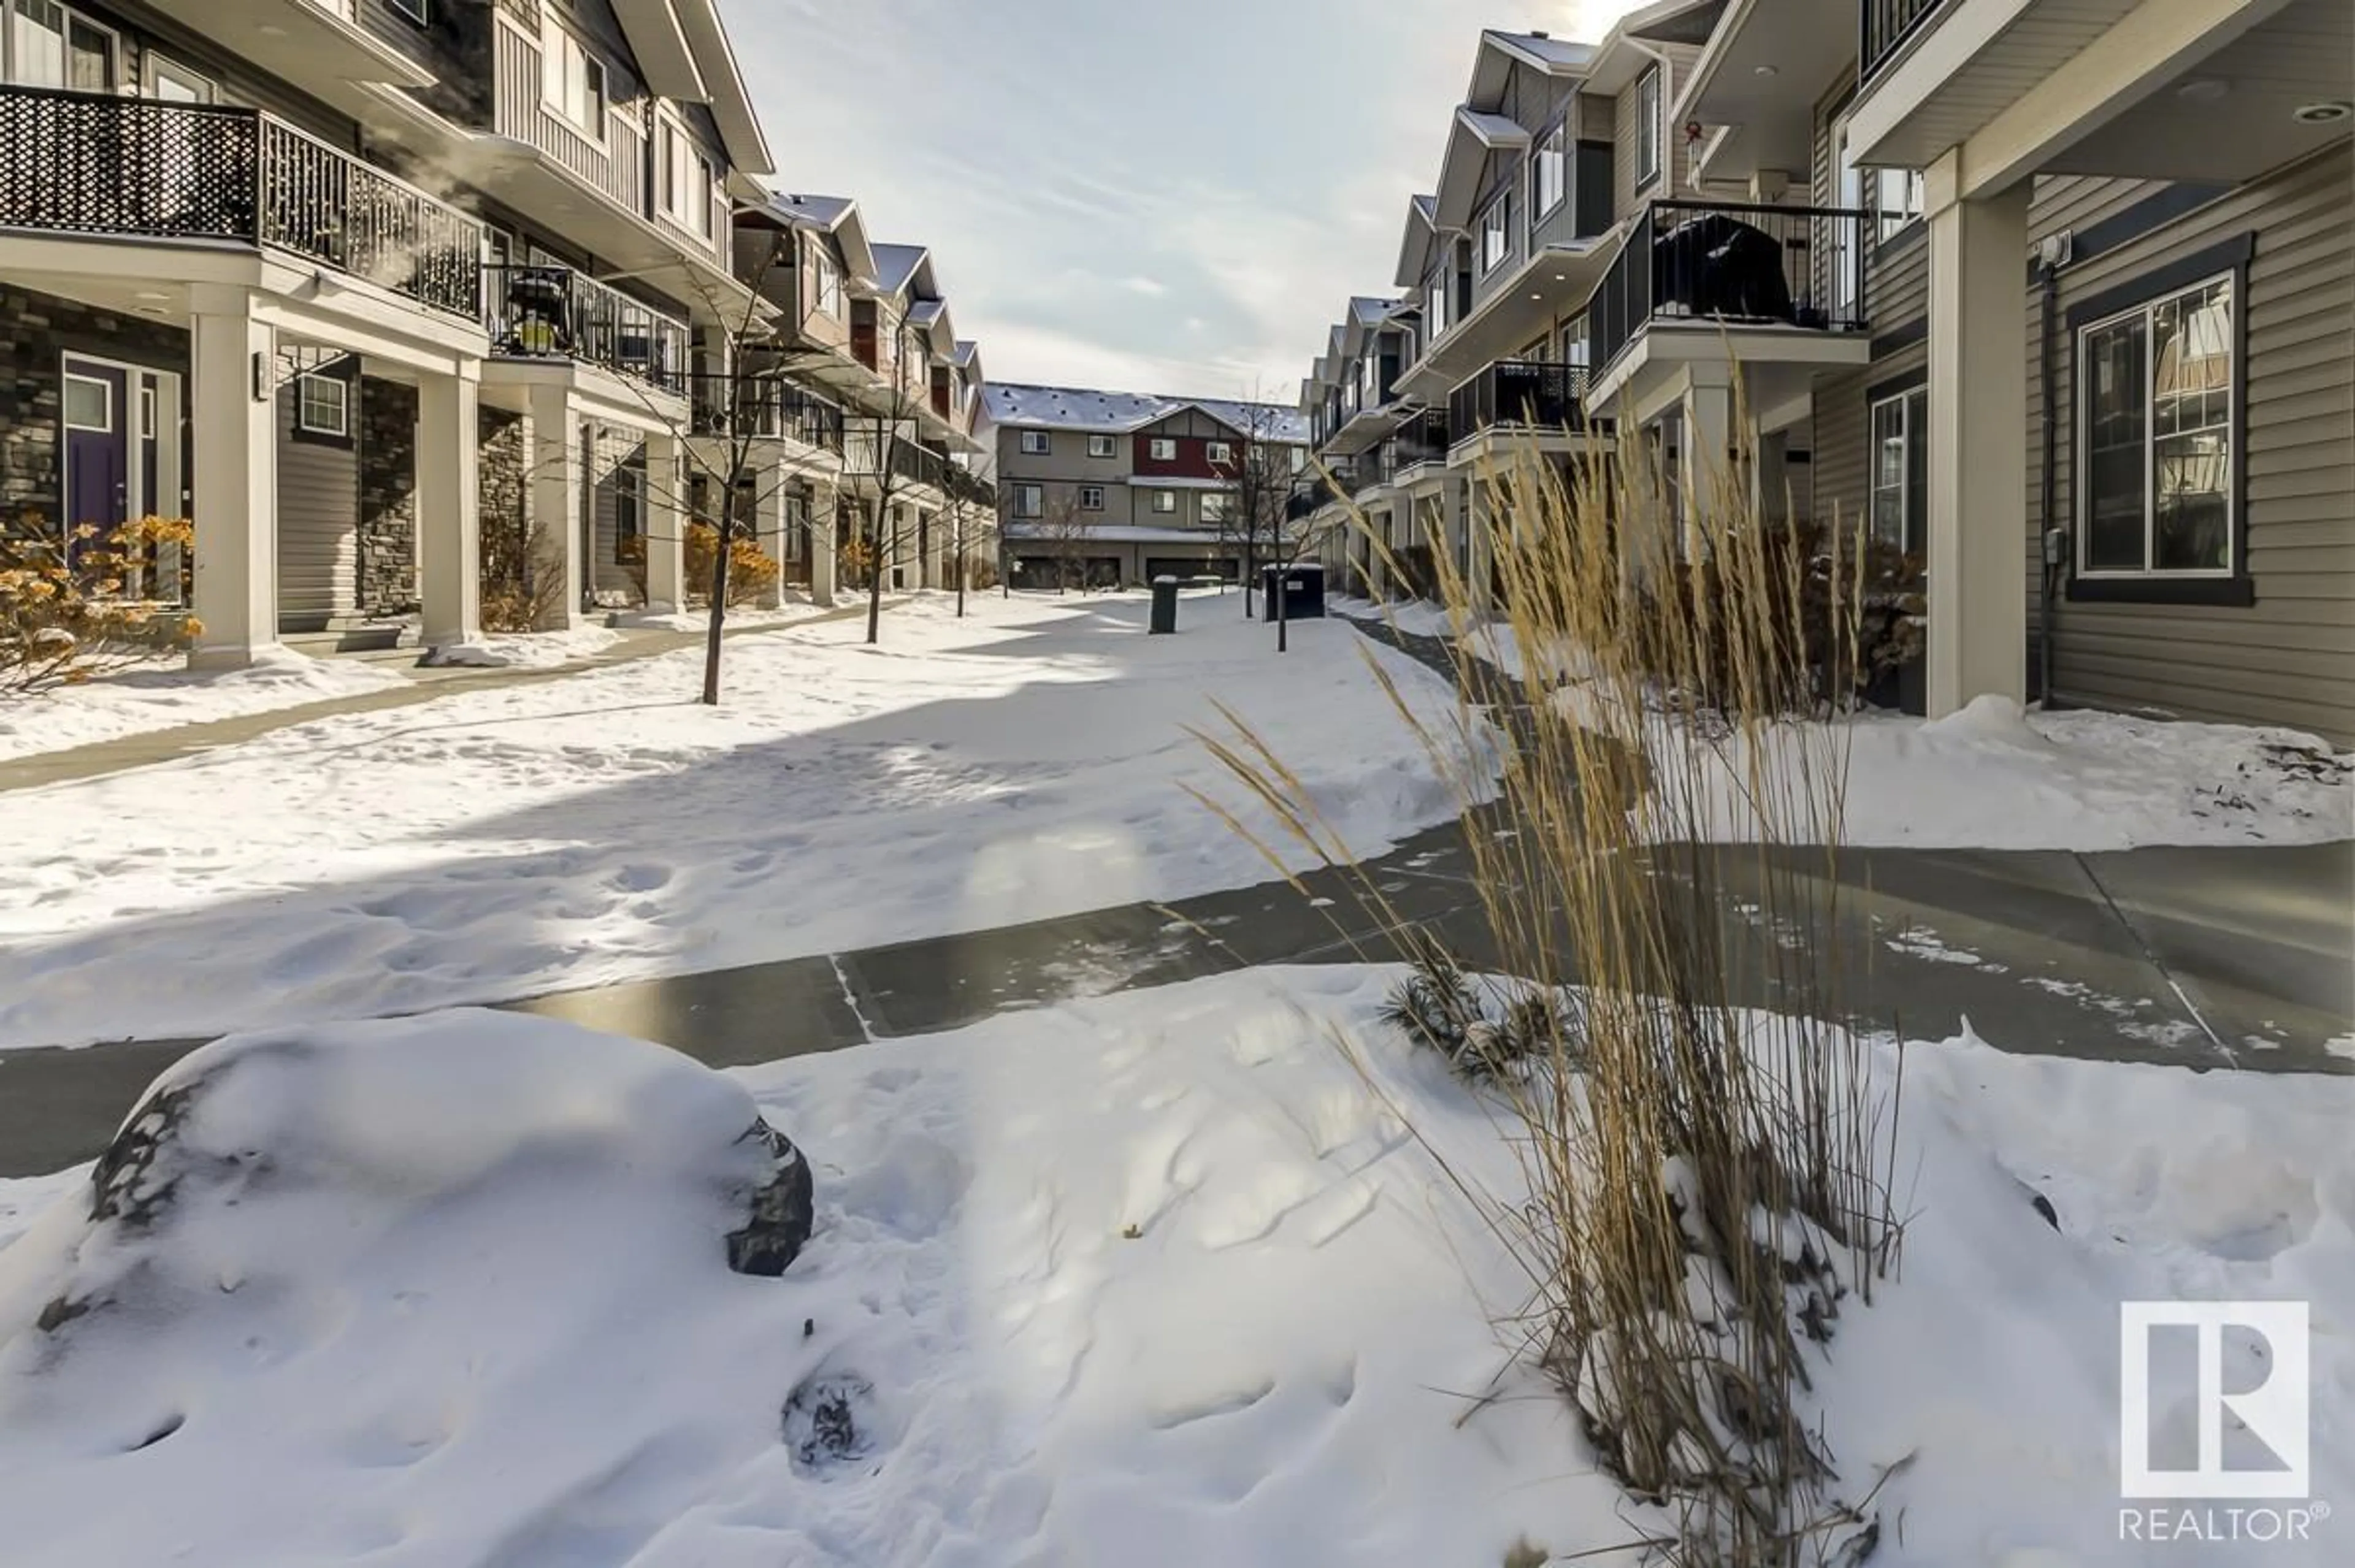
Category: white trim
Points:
column 1654, row 78
column 311, row 381
column 599, row 136
column 65, row 406
column 1110, row 446
column 2081, row 418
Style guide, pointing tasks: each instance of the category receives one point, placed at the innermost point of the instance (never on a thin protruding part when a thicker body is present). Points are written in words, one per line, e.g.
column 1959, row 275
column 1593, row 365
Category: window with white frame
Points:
column 683, row 179
column 1553, row 172
column 1037, row 444
column 629, row 513
column 1164, row 502
column 2155, row 390
column 1299, row 458
column 1091, row 497
column 1647, row 128
column 1029, row 501
column 1218, row 509
column 51, row 45
column 418, row 11
column 1898, row 503
column 1496, row 232
column 1897, row 197
column 1846, row 252
column 1101, row 446
column 323, row 405
column 1435, row 305
column 571, row 80
column 1222, row 452
column 825, row 280
column 1164, row 449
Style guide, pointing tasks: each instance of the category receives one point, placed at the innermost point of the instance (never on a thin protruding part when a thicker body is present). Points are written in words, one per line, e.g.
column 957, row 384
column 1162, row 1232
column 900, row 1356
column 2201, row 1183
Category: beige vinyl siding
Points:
column 1842, row 456
column 318, row 521
column 1897, row 273
column 1676, row 155
column 608, row 452
column 2289, row 659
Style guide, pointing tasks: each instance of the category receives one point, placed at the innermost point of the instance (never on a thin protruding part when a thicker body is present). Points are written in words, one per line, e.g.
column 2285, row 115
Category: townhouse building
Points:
column 2055, row 295
column 1122, row 487
column 352, row 284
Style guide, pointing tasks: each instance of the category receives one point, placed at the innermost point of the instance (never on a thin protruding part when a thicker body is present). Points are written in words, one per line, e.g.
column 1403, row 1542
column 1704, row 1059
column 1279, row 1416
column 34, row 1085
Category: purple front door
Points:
column 96, row 421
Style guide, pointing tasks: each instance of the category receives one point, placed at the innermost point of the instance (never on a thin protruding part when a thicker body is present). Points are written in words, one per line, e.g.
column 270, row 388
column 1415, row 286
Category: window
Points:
column 89, row 403
column 418, row 11
column 2155, row 390
column 1218, row 507
column 1550, row 172
column 1164, row 449
column 629, row 513
column 323, row 405
column 683, row 179
column 1435, row 307
column 1574, row 343
column 1897, row 195
column 1222, row 451
column 170, row 81
column 1846, row 256
column 1899, row 503
column 1029, row 501
column 50, row 46
column 1037, row 444
column 571, row 80
column 1100, row 446
column 1496, row 232
column 1299, row 458
column 1091, row 497
column 1647, row 128
column 1165, row 501
column 826, row 280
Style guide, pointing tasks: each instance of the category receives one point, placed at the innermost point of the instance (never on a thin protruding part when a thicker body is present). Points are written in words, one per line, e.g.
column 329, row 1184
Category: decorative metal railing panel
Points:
column 1883, row 27
column 766, row 406
column 96, row 164
column 1732, row 264
column 1531, row 393
column 557, row 313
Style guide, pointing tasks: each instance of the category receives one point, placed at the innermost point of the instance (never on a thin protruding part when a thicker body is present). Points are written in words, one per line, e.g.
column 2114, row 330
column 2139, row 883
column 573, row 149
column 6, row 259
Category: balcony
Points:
column 1764, row 284
column 1521, row 394
column 909, row 462
column 1420, row 441
column 79, row 163
column 765, row 407
column 1884, row 26
column 555, row 312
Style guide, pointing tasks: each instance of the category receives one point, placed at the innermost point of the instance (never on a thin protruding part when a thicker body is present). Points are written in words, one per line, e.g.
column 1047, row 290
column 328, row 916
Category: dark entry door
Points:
column 97, row 447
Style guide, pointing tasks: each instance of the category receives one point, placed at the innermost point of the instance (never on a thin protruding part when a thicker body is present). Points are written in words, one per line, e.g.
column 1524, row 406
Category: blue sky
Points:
column 1151, row 197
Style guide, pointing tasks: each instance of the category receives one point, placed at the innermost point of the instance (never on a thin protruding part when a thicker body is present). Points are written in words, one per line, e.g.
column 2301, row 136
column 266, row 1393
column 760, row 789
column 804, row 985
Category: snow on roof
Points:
column 1085, row 409
column 1493, row 129
column 966, row 351
column 923, row 313
column 1541, row 50
column 1427, row 208
column 895, row 264
column 1367, row 309
column 809, row 211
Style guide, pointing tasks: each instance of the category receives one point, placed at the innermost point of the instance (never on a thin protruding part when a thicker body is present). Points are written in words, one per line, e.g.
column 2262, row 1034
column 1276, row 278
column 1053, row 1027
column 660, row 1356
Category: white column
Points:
column 236, row 481
column 449, row 503
column 822, row 546
column 1705, row 454
column 555, row 500
column 665, row 524
column 1978, row 443
column 770, row 522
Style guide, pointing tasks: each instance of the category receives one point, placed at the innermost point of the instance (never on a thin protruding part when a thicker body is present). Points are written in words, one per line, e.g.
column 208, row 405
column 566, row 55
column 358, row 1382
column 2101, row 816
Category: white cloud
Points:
column 1152, row 288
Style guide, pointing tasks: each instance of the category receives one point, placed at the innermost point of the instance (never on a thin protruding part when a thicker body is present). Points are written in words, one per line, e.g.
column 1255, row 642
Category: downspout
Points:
column 2052, row 254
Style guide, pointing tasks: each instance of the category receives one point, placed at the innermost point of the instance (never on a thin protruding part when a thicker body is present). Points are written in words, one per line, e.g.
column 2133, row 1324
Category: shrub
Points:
column 520, row 591
column 63, row 623
column 750, row 574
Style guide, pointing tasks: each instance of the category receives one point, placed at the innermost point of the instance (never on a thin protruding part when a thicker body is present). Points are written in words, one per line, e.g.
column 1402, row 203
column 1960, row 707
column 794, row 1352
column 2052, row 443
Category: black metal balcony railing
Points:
column 95, row 164
column 1732, row 264
column 534, row 313
column 909, row 461
column 1884, row 26
column 1422, row 439
column 1528, row 393
column 755, row 404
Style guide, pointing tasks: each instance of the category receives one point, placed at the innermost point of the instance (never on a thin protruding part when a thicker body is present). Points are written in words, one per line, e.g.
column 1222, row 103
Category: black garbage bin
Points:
column 1165, row 605
column 1303, row 591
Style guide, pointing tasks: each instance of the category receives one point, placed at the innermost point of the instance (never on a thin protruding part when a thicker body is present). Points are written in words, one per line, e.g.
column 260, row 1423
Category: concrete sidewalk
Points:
column 426, row 683
column 2198, row 959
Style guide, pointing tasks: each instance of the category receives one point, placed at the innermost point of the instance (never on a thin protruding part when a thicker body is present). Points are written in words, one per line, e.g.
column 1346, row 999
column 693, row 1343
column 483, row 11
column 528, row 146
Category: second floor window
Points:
column 1495, row 232
column 50, row 46
column 1222, row 451
column 1897, row 193
column 1164, row 449
column 683, row 179
column 826, row 282
column 1037, row 444
column 1434, row 308
column 1218, row 507
column 1551, row 172
column 571, row 80
column 1100, row 447
column 1091, row 497
column 1164, row 502
column 1029, row 501
column 1647, row 128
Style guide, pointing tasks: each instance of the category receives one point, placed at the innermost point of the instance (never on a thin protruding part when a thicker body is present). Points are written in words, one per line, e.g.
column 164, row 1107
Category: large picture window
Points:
column 1900, row 470
column 2155, row 391
column 571, row 80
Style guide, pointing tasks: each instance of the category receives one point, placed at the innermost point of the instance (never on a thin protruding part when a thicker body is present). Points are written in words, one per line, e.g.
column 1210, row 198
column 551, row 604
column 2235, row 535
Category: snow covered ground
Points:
column 1158, row 1279
column 136, row 701
column 1030, row 761
column 1996, row 777
column 528, row 650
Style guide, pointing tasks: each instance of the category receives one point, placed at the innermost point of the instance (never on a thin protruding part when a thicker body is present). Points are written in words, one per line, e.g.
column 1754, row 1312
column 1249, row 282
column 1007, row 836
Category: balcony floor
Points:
column 1771, row 362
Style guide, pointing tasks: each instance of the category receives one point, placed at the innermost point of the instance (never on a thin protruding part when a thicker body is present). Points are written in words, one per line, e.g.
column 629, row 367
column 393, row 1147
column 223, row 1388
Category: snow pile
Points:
column 1993, row 776
column 452, row 1289
column 138, row 700
column 1160, row 1279
column 1031, row 760
column 528, row 650
column 744, row 616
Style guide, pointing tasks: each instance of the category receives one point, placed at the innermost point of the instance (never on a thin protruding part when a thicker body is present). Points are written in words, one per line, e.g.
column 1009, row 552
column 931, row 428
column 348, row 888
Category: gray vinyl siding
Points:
column 2289, row 659
column 610, row 451
column 1840, row 483
column 618, row 168
column 318, row 521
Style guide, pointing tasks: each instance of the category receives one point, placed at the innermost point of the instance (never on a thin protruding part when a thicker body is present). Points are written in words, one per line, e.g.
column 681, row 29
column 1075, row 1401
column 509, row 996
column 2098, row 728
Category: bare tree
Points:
column 1259, row 479
column 885, row 446
column 1290, row 543
column 1065, row 535
column 967, row 499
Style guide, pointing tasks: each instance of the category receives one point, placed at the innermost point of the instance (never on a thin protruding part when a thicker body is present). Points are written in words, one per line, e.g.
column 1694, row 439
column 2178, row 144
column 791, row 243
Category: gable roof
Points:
column 835, row 216
column 682, row 50
column 1621, row 58
column 1119, row 413
column 1416, row 237
column 897, row 266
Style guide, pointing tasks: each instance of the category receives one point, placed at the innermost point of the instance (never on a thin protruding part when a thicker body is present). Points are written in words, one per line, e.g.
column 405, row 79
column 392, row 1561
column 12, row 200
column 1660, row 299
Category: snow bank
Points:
column 1030, row 761
column 792, row 610
column 136, row 701
column 1993, row 776
column 1158, row 1279
column 528, row 650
